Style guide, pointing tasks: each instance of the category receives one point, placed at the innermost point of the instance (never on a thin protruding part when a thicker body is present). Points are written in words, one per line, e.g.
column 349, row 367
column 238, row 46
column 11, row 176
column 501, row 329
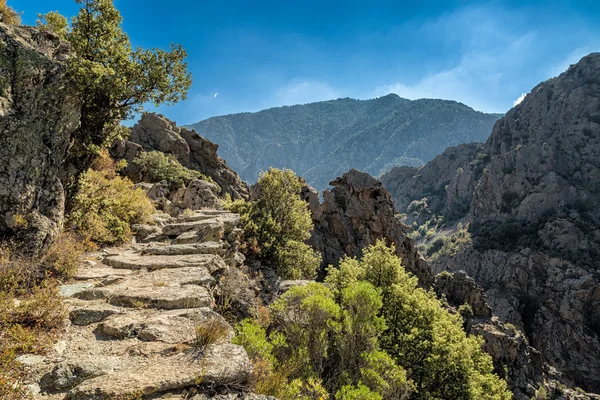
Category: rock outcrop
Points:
column 154, row 132
column 356, row 213
column 38, row 114
column 533, row 207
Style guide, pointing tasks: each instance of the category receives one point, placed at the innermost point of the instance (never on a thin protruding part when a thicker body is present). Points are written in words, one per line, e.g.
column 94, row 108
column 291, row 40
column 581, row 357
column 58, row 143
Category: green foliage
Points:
column 310, row 389
column 112, row 79
column 106, row 207
column 158, row 166
column 359, row 329
column 8, row 15
column 371, row 332
column 361, row 392
column 427, row 340
column 254, row 339
column 277, row 223
column 54, row 22
column 305, row 316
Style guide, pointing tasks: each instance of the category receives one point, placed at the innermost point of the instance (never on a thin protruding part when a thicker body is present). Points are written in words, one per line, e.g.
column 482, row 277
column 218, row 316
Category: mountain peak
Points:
column 322, row 140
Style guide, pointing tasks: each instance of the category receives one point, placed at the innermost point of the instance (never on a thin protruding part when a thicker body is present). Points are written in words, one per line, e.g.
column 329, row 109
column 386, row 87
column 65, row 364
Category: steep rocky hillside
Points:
column 530, row 199
column 321, row 141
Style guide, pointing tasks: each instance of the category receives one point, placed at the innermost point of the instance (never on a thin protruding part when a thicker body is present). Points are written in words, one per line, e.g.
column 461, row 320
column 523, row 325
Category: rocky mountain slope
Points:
column 530, row 197
column 321, row 141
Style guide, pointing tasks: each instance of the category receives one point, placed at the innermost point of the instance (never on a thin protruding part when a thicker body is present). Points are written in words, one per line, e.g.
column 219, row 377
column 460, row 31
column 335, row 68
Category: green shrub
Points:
column 276, row 225
column 157, row 167
column 107, row 205
column 361, row 392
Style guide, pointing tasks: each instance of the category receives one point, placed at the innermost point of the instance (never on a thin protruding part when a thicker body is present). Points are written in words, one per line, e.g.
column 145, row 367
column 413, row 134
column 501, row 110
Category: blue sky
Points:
column 252, row 55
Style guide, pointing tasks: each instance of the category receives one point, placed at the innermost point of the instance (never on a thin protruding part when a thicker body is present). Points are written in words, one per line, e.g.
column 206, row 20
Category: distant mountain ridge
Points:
column 320, row 141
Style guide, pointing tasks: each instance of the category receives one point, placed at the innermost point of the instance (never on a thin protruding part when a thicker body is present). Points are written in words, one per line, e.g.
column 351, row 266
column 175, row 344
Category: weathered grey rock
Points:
column 39, row 112
column 514, row 359
column 161, row 297
column 85, row 313
column 459, row 289
column 356, row 213
column 154, row 132
column 99, row 273
column 184, row 249
column 220, row 365
column 134, row 261
column 178, row 326
column 71, row 290
column 284, row 286
column 197, row 195
column 66, row 375
column 145, row 231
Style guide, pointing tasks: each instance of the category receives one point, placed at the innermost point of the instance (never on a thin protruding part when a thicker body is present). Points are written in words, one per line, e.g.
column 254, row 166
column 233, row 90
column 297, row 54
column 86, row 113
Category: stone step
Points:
column 83, row 313
column 219, row 365
column 176, row 326
column 161, row 297
column 183, row 249
column 133, row 260
column 209, row 230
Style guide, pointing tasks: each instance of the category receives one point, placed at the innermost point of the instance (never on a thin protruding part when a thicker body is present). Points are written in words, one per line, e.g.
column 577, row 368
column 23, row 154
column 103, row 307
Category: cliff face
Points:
column 38, row 115
column 154, row 132
column 531, row 196
column 321, row 141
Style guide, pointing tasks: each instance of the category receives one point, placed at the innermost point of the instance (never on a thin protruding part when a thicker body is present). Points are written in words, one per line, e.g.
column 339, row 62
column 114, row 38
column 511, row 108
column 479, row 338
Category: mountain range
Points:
column 320, row 141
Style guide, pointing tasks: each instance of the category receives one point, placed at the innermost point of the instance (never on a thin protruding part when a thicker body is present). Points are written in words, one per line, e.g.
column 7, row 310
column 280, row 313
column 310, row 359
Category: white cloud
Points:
column 305, row 91
column 490, row 54
column 520, row 99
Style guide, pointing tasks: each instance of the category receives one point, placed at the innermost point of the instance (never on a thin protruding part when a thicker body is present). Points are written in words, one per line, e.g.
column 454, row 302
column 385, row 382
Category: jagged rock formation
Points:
column 354, row 215
column 533, row 195
column 135, row 318
column 38, row 115
column 321, row 141
column 154, row 132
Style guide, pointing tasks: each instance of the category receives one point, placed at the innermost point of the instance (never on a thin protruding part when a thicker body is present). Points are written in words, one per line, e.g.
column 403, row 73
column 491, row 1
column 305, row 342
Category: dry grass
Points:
column 31, row 313
column 64, row 256
column 210, row 332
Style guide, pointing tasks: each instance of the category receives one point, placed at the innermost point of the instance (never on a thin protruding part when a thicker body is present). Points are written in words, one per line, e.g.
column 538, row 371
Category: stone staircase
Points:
column 143, row 323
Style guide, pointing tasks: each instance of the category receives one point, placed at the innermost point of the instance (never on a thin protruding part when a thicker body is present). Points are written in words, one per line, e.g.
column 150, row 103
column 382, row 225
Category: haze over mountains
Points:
column 320, row 141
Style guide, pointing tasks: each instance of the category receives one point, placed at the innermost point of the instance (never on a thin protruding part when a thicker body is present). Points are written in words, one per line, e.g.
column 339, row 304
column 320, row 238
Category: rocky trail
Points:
column 143, row 323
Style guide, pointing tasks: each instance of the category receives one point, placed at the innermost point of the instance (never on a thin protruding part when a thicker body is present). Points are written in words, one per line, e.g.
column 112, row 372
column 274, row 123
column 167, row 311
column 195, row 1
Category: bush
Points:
column 276, row 225
column 316, row 344
column 64, row 256
column 157, row 166
column 357, row 393
column 107, row 205
column 8, row 15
